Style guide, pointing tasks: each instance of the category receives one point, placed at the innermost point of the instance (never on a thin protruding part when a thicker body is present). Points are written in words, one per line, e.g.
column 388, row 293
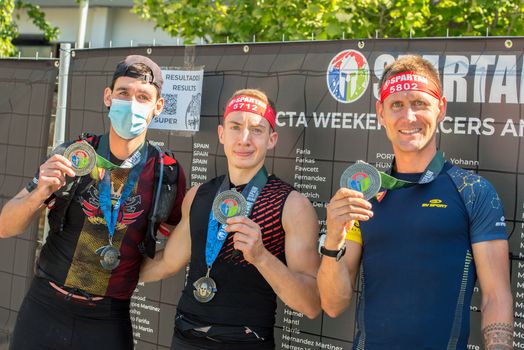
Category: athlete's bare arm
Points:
column 295, row 284
column 177, row 252
column 22, row 208
column 492, row 264
column 336, row 279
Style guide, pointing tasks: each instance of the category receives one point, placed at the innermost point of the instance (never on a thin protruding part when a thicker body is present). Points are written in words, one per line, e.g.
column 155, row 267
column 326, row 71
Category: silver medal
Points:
column 229, row 204
column 205, row 289
column 110, row 257
column 82, row 156
column 362, row 177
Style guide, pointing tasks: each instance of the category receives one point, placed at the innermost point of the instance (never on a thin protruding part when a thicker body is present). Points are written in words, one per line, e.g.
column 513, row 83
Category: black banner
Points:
column 26, row 100
column 326, row 121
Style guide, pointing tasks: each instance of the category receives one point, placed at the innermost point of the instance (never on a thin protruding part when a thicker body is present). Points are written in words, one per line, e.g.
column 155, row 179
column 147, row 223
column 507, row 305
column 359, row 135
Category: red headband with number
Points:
column 246, row 103
column 407, row 81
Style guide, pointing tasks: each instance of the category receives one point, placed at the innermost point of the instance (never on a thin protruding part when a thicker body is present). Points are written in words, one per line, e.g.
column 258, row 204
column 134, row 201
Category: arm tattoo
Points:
column 498, row 336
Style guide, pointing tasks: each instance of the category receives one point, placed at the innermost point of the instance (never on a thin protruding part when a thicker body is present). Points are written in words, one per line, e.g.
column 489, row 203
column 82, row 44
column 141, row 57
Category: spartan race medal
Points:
column 110, row 257
column 228, row 204
column 205, row 288
column 83, row 157
column 362, row 177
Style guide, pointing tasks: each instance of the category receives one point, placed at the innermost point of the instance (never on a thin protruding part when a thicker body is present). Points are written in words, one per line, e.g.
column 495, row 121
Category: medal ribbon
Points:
column 216, row 234
column 434, row 168
column 102, row 154
column 136, row 162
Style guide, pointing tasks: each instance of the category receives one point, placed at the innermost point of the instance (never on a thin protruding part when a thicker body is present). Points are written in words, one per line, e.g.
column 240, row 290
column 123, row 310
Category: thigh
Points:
column 179, row 344
column 186, row 341
column 96, row 334
column 39, row 326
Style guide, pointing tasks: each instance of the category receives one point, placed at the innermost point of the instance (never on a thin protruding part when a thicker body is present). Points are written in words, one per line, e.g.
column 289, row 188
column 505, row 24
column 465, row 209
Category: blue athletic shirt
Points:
column 417, row 263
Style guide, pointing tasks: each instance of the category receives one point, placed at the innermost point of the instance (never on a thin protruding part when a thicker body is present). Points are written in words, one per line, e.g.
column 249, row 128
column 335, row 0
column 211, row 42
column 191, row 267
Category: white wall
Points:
column 104, row 24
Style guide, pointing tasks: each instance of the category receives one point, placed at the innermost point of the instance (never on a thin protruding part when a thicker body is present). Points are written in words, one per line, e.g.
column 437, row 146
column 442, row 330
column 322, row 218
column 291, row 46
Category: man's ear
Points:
column 380, row 110
column 159, row 106
column 107, row 97
column 220, row 131
column 273, row 138
column 442, row 106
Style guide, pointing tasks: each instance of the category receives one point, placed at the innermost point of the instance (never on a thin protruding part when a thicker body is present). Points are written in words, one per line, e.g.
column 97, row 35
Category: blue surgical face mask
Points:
column 128, row 118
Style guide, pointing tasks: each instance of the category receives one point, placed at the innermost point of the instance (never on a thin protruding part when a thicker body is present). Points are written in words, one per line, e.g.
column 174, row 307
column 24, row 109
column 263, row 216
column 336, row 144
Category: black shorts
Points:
column 50, row 320
column 188, row 341
column 187, row 337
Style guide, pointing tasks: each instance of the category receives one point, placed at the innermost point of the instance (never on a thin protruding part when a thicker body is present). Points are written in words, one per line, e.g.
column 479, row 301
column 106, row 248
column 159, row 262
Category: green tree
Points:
column 9, row 29
column 272, row 20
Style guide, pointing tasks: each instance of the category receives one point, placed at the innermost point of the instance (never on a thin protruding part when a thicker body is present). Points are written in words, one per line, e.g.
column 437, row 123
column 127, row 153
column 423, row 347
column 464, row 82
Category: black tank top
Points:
column 243, row 297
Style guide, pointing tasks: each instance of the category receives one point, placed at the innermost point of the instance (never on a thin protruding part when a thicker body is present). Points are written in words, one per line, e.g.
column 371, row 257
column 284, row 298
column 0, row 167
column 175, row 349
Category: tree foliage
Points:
column 9, row 28
column 272, row 20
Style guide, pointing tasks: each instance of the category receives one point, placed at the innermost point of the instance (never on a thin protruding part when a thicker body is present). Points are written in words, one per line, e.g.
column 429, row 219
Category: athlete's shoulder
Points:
column 467, row 179
column 211, row 185
column 168, row 155
column 472, row 187
column 276, row 183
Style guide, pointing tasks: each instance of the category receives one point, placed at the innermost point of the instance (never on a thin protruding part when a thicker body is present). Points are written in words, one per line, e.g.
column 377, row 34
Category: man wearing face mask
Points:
column 88, row 268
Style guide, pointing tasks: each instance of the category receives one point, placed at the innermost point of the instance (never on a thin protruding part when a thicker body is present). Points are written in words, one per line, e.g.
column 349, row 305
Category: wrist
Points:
column 336, row 253
column 40, row 195
column 262, row 259
column 334, row 243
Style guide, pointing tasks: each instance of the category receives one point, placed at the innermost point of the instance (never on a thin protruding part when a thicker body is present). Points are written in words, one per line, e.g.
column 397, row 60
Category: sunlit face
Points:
column 127, row 88
column 410, row 119
column 246, row 138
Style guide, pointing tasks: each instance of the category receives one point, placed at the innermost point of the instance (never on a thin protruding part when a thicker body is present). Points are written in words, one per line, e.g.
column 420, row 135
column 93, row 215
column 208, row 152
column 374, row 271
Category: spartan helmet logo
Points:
column 348, row 76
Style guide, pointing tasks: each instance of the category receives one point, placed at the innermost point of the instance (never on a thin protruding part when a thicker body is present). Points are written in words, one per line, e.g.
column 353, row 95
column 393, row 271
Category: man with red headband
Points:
column 422, row 245
column 248, row 237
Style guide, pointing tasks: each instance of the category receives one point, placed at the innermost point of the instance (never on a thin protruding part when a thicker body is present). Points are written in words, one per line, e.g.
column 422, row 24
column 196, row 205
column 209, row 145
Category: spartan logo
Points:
column 348, row 76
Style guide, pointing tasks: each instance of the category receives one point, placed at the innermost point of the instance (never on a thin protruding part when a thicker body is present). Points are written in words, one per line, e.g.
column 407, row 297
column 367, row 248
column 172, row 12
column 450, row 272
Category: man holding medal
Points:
column 423, row 240
column 248, row 236
column 103, row 194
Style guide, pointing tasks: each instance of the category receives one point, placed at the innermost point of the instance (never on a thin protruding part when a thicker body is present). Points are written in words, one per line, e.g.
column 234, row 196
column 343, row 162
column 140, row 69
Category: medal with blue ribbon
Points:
column 110, row 256
column 227, row 204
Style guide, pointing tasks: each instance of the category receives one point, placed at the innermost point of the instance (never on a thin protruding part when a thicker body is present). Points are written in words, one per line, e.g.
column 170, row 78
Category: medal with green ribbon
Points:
column 365, row 178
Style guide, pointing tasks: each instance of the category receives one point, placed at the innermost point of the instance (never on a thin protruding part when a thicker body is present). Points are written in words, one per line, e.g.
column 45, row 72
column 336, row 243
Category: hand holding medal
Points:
column 362, row 177
column 247, row 238
column 347, row 204
column 55, row 172
column 82, row 157
column 229, row 204
column 358, row 183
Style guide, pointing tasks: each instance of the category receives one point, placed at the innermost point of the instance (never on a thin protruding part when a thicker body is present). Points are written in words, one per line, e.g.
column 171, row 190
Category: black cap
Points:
column 122, row 70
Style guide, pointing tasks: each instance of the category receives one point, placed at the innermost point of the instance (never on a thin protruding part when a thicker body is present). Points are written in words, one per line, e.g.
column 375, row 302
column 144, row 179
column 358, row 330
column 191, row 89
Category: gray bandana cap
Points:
column 122, row 70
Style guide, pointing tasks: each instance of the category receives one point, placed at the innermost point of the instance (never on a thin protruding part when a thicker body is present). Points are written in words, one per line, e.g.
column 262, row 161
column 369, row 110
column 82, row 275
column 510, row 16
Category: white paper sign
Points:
column 182, row 92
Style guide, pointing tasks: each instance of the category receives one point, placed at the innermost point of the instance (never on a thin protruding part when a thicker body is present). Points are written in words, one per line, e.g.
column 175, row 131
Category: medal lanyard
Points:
column 434, row 168
column 216, row 234
column 103, row 154
column 136, row 162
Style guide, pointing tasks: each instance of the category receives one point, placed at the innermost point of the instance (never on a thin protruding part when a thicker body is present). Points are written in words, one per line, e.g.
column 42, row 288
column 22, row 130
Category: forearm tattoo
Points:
column 498, row 336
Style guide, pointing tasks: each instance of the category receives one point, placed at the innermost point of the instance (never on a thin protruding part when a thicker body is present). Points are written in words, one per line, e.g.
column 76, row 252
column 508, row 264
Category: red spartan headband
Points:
column 407, row 81
column 245, row 103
